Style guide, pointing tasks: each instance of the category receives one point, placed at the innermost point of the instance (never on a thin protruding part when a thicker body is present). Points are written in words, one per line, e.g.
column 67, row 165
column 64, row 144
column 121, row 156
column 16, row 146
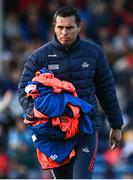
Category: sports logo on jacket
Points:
column 34, row 138
column 84, row 64
column 53, row 157
column 53, row 66
column 85, row 149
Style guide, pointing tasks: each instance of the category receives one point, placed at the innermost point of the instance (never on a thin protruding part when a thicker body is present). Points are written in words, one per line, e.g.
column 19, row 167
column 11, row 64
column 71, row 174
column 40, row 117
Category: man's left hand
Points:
column 115, row 137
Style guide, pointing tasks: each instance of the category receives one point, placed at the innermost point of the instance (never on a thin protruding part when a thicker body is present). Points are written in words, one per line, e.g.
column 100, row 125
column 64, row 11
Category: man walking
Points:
column 84, row 64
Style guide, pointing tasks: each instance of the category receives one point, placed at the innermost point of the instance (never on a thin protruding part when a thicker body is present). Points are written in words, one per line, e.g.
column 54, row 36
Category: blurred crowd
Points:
column 26, row 26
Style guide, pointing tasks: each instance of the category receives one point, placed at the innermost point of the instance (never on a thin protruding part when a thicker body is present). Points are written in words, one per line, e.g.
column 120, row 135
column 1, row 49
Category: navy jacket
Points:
column 85, row 66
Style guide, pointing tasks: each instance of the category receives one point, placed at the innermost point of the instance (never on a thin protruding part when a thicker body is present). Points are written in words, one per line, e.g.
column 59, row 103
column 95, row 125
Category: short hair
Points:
column 67, row 11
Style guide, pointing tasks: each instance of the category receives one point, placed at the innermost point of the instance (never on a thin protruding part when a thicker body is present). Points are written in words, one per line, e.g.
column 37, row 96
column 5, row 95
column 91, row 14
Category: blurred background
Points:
column 26, row 25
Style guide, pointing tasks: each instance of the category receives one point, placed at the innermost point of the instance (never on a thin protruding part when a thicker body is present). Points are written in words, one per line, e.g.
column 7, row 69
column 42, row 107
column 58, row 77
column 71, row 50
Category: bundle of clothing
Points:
column 59, row 116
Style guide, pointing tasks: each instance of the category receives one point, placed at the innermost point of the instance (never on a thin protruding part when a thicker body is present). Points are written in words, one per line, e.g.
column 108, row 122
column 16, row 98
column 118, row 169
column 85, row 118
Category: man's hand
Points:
column 115, row 137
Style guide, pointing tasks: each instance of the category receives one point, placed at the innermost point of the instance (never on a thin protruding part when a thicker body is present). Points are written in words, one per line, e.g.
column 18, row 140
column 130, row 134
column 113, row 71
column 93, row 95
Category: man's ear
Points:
column 79, row 27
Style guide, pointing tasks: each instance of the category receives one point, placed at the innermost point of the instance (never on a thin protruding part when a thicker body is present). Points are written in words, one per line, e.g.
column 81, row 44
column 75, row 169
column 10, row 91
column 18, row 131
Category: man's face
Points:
column 66, row 30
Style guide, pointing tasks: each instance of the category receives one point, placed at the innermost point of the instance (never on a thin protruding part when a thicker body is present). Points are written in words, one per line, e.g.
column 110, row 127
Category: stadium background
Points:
column 25, row 25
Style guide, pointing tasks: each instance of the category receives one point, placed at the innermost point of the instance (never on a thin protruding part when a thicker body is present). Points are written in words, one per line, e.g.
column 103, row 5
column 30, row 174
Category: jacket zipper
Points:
column 69, row 65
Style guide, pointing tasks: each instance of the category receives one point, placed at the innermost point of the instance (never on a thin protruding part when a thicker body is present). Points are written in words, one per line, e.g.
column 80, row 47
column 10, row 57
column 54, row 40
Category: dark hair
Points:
column 66, row 12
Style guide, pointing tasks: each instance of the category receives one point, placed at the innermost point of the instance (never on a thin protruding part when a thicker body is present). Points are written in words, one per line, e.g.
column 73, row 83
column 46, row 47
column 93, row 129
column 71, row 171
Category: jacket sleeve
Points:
column 30, row 67
column 106, row 93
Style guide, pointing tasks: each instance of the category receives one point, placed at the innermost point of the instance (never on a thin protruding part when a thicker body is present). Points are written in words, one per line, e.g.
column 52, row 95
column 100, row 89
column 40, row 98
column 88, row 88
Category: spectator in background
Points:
column 122, row 40
column 24, row 5
column 12, row 26
column 4, row 158
column 120, row 15
column 9, row 101
column 33, row 27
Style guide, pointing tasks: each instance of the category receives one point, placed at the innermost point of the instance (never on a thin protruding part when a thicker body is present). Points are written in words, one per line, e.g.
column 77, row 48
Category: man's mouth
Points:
column 65, row 39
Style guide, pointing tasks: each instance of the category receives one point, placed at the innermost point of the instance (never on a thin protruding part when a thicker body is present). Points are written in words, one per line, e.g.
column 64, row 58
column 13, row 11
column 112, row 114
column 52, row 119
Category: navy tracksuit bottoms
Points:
column 81, row 166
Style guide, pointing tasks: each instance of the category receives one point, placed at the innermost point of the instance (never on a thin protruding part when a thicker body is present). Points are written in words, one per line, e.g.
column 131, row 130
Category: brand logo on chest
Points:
column 85, row 64
column 52, row 55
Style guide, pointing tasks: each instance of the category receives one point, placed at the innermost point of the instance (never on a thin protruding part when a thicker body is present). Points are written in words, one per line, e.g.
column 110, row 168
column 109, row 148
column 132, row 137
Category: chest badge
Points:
column 84, row 64
column 53, row 66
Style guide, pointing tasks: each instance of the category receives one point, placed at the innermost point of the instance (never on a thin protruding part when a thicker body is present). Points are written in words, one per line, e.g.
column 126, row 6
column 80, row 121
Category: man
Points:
column 84, row 65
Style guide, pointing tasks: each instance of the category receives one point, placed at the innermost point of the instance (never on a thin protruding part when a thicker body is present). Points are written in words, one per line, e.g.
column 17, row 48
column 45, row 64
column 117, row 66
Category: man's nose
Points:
column 64, row 31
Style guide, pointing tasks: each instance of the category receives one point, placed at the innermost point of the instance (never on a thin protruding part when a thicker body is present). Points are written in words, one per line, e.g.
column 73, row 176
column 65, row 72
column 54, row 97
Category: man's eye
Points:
column 69, row 28
column 60, row 27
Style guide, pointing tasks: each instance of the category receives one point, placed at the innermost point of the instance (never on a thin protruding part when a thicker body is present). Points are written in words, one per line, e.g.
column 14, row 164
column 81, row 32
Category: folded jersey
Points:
column 59, row 111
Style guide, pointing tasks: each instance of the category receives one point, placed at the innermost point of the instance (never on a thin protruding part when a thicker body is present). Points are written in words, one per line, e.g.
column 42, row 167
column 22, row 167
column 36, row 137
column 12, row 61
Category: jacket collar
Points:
column 59, row 46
